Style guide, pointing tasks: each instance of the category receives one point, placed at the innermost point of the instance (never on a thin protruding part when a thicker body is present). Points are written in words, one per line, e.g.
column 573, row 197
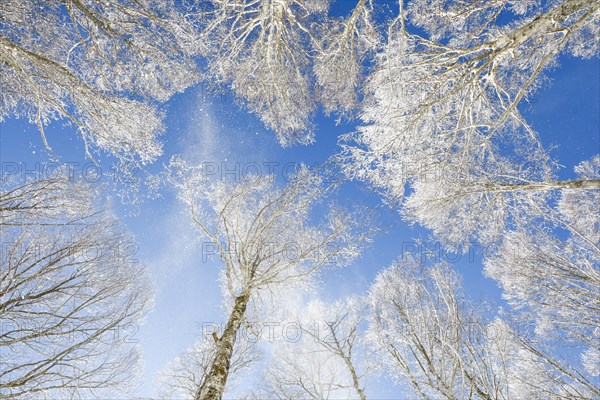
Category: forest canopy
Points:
column 428, row 102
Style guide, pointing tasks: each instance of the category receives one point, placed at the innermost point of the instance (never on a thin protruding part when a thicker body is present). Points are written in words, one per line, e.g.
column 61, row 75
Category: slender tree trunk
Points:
column 355, row 380
column 214, row 384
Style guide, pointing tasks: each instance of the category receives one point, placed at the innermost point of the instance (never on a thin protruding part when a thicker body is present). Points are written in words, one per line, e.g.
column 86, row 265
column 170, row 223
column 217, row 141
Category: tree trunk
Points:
column 214, row 384
column 355, row 380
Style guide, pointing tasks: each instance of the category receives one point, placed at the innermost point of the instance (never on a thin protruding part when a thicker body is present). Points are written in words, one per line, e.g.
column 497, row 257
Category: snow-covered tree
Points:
column 490, row 201
column 418, row 326
column 100, row 65
column 265, row 238
column 266, row 48
column 326, row 358
column 72, row 295
column 427, row 334
column 262, row 48
column 448, row 100
column 555, row 280
column 442, row 118
column 547, row 278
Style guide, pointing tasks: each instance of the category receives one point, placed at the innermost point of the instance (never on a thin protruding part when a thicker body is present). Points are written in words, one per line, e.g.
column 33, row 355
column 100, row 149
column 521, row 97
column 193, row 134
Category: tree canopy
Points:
column 433, row 93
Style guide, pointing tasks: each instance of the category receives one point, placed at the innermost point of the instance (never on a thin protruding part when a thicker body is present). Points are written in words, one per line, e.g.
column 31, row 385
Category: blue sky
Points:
column 215, row 129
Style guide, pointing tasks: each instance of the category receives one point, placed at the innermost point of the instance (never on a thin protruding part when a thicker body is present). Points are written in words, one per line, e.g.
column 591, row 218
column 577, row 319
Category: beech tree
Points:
column 325, row 358
column 555, row 281
column 268, row 51
column 100, row 65
column 450, row 99
column 500, row 197
column 549, row 280
column 71, row 294
column 427, row 333
column 265, row 240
